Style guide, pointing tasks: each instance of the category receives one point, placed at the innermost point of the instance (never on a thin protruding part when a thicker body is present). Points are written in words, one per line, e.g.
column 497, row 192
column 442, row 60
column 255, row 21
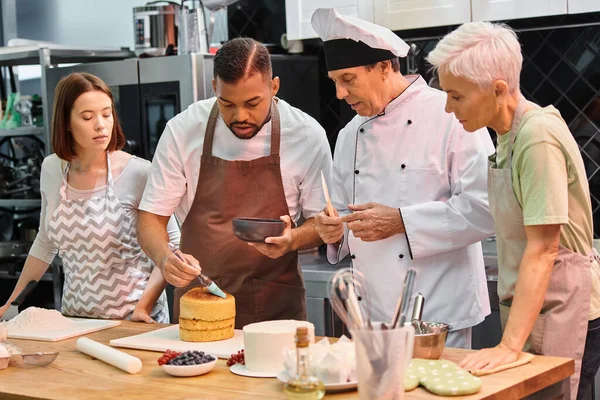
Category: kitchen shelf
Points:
column 20, row 202
column 23, row 131
column 31, row 55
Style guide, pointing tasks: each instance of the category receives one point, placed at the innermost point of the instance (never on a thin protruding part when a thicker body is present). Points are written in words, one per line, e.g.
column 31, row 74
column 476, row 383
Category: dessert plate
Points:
column 329, row 387
column 240, row 369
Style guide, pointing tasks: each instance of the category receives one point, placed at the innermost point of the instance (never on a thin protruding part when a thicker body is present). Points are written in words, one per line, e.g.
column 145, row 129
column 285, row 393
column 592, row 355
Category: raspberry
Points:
column 168, row 355
column 236, row 358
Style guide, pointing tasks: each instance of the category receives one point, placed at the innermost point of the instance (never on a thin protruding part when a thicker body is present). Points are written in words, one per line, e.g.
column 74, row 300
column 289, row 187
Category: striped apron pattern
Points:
column 105, row 269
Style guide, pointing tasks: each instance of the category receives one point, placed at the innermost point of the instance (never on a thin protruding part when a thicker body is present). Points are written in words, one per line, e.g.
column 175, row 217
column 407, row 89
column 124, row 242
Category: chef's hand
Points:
column 491, row 358
column 372, row 221
column 329, row 227
column 277, row 246
column 141, row 315
column 177, row 272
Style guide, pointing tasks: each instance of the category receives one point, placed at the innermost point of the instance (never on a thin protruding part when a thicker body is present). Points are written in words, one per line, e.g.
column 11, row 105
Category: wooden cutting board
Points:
column 168, row 338
column 81, row 327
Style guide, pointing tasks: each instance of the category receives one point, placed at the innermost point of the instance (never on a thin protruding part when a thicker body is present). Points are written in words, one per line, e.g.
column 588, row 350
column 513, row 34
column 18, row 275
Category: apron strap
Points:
column 275, row 129
column 110, row 184
column 519, row 112
column 63, row 183
column 210, row 130
column 212, row 122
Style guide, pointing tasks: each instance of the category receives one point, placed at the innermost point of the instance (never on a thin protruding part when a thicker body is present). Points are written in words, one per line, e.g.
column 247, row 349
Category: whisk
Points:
column 345, row 286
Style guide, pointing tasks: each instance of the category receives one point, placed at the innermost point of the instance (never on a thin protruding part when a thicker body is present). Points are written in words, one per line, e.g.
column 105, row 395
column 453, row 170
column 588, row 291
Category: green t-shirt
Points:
column 550, row 182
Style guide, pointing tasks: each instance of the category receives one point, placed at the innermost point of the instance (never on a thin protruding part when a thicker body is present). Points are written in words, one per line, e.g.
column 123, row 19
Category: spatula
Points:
column 330, row 209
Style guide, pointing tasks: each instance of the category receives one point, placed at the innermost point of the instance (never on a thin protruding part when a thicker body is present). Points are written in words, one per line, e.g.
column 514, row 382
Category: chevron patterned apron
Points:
column 106, row 271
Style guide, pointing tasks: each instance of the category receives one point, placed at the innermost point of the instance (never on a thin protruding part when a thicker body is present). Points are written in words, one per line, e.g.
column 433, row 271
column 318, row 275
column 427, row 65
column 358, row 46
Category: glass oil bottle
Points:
column 304, row 386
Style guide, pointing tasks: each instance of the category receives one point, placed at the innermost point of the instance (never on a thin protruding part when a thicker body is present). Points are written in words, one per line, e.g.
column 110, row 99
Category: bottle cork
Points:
column 302, row 336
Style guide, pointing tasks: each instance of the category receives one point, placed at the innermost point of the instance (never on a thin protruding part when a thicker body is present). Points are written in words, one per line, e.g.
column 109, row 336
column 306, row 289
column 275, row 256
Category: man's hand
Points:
column 329, row 227
column 488, row 359
column 277, row 246
column 177, row 272
column 372, row 221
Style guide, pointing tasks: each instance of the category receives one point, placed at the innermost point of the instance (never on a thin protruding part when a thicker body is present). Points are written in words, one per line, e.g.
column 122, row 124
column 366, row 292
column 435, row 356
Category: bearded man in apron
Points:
column 548, row 270
column 244, row 153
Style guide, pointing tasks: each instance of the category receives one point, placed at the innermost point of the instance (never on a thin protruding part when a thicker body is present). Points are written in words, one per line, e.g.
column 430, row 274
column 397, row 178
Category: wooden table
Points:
column 75, row 375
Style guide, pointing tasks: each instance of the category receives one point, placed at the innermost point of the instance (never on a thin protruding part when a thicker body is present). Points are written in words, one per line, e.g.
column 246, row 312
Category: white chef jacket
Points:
column 416, row 157
column 304, row 153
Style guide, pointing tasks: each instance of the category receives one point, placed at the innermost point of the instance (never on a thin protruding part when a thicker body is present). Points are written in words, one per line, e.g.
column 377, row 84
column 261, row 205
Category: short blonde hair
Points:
column 481, row 52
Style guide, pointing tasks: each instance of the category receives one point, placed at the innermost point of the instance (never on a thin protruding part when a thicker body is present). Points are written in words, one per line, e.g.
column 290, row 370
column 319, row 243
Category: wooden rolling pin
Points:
column 111, row 356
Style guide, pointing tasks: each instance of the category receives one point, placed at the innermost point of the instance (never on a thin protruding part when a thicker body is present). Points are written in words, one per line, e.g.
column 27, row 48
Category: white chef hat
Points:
column 353, row 42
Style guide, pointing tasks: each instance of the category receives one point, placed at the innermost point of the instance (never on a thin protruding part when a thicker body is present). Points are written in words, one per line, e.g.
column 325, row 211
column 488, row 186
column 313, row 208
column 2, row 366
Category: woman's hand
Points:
column 140, row 314
column 487, row 359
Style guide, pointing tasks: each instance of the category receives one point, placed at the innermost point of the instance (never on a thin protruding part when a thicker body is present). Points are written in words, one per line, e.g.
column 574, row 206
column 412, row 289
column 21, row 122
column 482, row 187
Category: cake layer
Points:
column 206, row 336
column 199, row 303
column 199, row 325
column 264, row 343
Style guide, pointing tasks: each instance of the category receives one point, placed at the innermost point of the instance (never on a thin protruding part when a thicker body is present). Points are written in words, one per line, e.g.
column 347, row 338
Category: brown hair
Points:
column 67, row 91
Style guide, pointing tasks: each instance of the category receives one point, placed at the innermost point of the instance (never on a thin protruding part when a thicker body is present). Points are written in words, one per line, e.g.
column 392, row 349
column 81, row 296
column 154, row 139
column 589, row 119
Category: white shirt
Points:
column 129, row 187
column 304, row 153
column 416, row 157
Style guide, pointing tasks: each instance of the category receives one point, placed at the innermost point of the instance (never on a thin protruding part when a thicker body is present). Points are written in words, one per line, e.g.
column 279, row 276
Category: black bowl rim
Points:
column 259, row 220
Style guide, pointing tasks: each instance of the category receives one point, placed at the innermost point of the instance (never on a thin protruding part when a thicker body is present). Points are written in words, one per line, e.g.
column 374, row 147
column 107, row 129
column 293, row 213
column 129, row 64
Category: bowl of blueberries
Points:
column 187, row 363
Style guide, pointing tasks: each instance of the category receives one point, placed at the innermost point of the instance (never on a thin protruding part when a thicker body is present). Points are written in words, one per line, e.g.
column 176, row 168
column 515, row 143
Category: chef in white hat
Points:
column 410, row 186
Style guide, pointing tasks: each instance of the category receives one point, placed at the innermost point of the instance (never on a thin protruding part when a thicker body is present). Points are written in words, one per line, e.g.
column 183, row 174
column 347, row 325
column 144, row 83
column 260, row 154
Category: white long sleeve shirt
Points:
column 416, row 157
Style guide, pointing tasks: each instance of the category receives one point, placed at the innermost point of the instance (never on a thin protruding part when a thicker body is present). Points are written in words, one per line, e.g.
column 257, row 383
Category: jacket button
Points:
column 356, row 171
column 401, row 256
column 409, row 122
column 359, row 298
column 361, row 130
column 402, row 166
column 353, row 256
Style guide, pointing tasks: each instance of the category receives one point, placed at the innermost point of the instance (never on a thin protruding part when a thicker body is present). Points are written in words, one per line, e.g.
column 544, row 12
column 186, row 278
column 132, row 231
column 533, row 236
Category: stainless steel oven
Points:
column 148, row 92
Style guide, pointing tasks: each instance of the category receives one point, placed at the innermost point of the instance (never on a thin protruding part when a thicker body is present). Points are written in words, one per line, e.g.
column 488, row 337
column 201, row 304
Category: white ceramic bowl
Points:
column 190, row 370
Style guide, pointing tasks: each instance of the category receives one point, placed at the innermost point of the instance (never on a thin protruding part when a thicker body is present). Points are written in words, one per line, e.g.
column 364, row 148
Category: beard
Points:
column 252, row 132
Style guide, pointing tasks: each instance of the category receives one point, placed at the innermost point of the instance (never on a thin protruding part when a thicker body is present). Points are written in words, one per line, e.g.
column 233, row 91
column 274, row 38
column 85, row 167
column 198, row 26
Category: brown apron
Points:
column 264, row 288
column 561, row 328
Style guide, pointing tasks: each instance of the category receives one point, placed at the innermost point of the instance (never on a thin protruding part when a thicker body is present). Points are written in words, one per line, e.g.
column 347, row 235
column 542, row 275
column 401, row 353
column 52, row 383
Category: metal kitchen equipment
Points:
column 432, row 342
column 403, row 300
column 417, row 315
column 193, row 37
column 38, row 359
column 148, row 92
column 156, row 26
column 345, row 299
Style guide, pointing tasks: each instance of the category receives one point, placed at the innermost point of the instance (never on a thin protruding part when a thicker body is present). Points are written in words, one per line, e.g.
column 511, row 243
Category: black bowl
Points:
column 257, row 229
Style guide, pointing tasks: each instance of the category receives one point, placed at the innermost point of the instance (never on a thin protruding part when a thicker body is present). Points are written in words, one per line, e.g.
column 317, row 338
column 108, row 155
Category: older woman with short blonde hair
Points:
column 548, row 272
